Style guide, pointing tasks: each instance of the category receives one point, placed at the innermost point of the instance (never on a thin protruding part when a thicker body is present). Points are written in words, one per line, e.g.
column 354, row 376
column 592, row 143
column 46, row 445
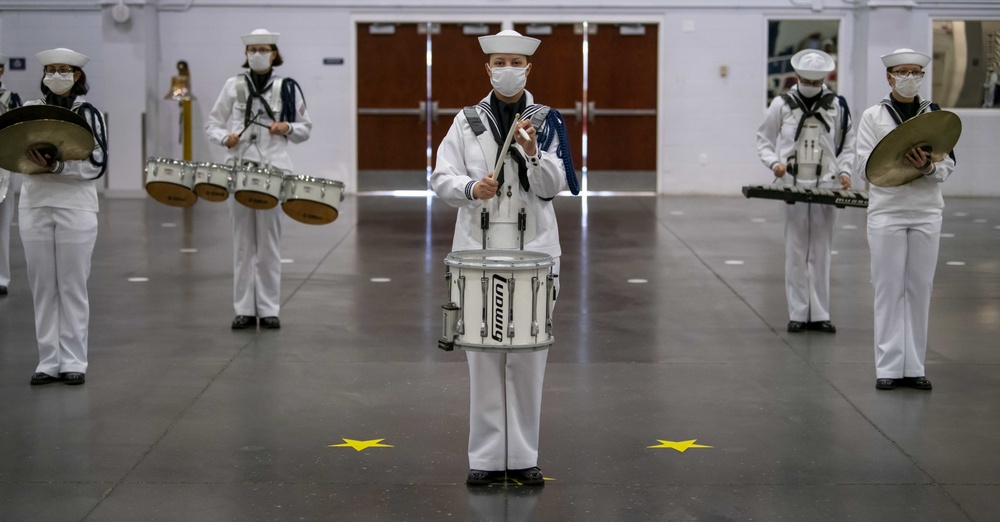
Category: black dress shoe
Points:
column 242, row 322
column 43, row 378
column 885, row 384
column 527, row 477
column 270, row 322
column 3, row 290
column 479, row 477
column 920, row 383
column 73, row 378
column 796, row 326
column 823, row 326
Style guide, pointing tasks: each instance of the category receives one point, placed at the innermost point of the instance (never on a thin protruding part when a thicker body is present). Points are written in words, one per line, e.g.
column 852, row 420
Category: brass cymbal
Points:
column 936, row 131
column 54, row 130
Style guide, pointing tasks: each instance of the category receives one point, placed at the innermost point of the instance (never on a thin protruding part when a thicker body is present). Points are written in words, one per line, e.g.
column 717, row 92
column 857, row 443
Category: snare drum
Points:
column 500, row 300
column 313, row 201
column 171, row 182
column 257, row 188
column 212, row 181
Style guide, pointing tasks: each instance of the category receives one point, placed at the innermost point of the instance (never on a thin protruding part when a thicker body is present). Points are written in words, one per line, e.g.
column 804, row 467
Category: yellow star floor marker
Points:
column 681, row 446
column 360, row 445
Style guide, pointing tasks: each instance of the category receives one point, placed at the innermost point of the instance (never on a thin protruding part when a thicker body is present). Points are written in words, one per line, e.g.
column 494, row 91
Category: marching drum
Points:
column 312, row 201
column 500, row 300
column 257, row 188
column 212, row 181
column 171, row 182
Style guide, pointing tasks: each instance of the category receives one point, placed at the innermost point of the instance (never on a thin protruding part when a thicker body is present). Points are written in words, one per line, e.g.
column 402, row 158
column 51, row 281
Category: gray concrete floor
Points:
column 183, row 419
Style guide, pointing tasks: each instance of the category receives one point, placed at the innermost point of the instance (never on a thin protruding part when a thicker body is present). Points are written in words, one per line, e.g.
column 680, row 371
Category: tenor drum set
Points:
column 306, row 199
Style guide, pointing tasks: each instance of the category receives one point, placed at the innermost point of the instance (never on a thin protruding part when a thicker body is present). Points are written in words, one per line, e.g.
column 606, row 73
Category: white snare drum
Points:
column 313, row 201
column 257, row 188
column 500, row 300
column 171, row 182
column 212, row 181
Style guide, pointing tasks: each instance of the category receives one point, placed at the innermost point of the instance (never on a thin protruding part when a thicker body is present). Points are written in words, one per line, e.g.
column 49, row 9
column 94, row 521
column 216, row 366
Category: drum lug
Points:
column 549, row 290
column 510, row 309
column 522, row 225
column 534, row 305
column 460, row 326
column 482, row 326
column 484, row 224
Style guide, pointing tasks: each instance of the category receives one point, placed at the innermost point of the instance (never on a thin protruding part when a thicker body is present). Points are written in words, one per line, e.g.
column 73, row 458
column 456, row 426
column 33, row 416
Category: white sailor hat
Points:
column 260, row 37
column 905, row 57
column 509, row 42
column 62, row 55
column 812, row 64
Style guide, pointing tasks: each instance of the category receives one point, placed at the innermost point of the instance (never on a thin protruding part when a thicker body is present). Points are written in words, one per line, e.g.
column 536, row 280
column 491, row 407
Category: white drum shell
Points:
column 253, row 179
column 214, row 174
column 168, row 170
column 326, row 191
column 500, row 268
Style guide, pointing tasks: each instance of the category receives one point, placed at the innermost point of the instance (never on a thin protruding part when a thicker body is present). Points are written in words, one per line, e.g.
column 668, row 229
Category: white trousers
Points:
column 6, row 218
column 256, row 260
column 808, row 243
column 58, row 244
column 505, row 406
column 904, row 251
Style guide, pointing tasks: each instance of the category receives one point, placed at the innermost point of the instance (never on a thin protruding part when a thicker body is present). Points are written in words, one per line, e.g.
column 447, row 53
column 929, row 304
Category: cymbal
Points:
column 936, row 132
column 52, row 129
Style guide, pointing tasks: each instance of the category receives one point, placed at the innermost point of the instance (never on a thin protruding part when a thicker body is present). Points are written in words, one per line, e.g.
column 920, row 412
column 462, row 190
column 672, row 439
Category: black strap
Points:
column 845, row 122
column 254, row 93
column 93, row 117
column 824, row 103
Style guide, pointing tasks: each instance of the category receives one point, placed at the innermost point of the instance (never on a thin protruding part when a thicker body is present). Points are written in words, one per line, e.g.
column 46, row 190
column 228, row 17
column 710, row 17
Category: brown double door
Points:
column 402, row 116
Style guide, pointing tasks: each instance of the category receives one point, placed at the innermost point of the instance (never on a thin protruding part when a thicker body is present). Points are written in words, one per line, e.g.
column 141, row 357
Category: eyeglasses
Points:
column 907, row 74
column 60, row 70
column 261, row 50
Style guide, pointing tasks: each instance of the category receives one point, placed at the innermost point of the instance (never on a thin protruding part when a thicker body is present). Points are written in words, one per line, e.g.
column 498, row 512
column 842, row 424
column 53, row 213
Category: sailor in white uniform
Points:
column 8, row 100
column 256, row 116
column 904, row 230
column 807, row 139
column 58, row 226
column 506, row 388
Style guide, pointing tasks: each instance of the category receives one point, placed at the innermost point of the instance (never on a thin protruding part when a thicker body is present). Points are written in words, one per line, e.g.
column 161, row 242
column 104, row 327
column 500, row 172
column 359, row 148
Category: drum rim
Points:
column 170, row 161
column 257, row 170
column 535, row 260
column 209, row 164
column 302, row 177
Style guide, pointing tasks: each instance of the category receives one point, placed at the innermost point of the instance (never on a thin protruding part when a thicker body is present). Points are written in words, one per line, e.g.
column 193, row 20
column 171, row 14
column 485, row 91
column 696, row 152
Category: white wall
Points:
column 707, row 122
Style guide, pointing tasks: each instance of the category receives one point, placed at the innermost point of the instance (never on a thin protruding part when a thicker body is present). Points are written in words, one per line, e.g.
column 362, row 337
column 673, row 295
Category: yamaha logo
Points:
column 498, row 291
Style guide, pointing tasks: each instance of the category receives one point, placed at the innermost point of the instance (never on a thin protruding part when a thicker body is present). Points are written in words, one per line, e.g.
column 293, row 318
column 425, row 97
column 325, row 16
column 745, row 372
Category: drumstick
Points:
column 524, row 134
column 506, row 144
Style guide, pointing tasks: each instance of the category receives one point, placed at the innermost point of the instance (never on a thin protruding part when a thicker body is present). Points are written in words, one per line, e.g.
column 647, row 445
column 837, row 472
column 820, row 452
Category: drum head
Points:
column 171, row 194
column 310, row 212
column 255, row 200
column 211, row 192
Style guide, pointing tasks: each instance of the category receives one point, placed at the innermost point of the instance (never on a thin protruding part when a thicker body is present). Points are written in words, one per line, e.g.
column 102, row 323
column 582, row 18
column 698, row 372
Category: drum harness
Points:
column 550, row 124
column 282, row 94
column 806, row 148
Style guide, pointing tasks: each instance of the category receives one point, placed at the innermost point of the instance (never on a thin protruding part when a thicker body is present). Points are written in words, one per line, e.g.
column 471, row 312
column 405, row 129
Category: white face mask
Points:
column 59, row 84
column 258, row 62
column 810, row 90
column 509, row 81
column 907, row 87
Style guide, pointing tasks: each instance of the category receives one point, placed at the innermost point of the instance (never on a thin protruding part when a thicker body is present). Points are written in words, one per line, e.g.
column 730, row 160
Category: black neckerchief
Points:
column 504, row 114
column 905, row 110
column 809, row 103
column 260, row 81
column 65, row 102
